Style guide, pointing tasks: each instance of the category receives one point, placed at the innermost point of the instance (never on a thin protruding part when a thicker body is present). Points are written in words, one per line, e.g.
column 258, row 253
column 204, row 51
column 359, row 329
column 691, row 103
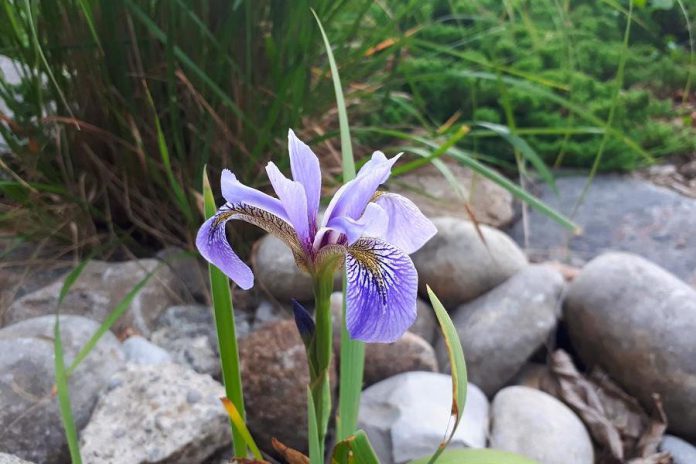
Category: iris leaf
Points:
column 352, row 351
column 457, row 366
column 478, row 456
column 315, row 456
column 226, row 332
column 239, row 424
column 355, row 449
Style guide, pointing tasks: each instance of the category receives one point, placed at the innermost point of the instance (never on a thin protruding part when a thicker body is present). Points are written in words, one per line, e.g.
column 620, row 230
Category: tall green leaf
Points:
column 226, row 331
column 457, row 367
column 315, row 456
column 355, row 449
column 478, row 456
column 352, row 351
column 64, row 406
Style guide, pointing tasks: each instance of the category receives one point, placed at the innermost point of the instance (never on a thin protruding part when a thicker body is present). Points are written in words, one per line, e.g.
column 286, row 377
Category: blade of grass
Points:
column 457, row 367
column 61, row 376
column 439, row 151
column 352, row 360
column 478, row 456
column 226, row 331
column 237, row 420
column 315, row 456
column 355, row 449
column 64, row 396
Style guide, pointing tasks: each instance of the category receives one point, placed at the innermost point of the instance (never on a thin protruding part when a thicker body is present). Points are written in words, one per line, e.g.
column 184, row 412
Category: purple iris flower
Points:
column 370, row 231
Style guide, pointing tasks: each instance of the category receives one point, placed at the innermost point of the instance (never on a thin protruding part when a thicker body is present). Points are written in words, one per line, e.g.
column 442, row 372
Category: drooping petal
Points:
column 351, row 199
column 373, row 223
column 304, row 166
column 237, row 193
column 408, row 229
column 381, row 291
column 212, row 244
column 292, row 196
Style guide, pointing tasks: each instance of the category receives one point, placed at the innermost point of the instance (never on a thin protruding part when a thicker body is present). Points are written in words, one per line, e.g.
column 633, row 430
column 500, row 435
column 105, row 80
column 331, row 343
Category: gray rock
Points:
column 406, row 416
column 458, row 266
column 139, row 350
column 276, row 272
column 682, row 451
column 29, row 413
column 188, row 334
column 267, row 313
column 637, row 322
column 274, row 368
column 618, row 214
column 98, row 290
column 409, row 353
column 538, row 426
column 148, row 418
column 426, row 324
column 12, row 459
column 189, row 269
column 501, row 329
column 434, row 195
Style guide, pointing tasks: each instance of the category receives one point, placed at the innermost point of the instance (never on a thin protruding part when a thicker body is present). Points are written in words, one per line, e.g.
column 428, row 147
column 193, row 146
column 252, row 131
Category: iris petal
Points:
column 304, row 166
column 352, row 198
column 292, row 196
column 381, row 291
column 237, row 193
column 373, row 223
column 407, row 228
column 212, row 243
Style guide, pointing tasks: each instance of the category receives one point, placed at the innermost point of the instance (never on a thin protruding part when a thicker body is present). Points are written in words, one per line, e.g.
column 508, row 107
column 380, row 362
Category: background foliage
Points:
column 122, row 102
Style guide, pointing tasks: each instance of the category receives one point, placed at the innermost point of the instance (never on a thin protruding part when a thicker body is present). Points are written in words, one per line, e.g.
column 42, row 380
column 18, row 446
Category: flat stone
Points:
column 100, row 287
column 682, row 451
column 274, row 368
column 637, row 321
column 536, row 425
column 408, row 353
column 459, row 266
column 28, row 411
column 406, row 416
column 435, row 196
column 139, row 350
column 618, row 213
column 501, row 329
column 147, row 417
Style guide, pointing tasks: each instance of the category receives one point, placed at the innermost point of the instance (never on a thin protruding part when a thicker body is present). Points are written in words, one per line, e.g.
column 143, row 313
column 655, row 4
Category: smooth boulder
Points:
column 682, row 452
column 28, row 411
column 536, row 425
column 459, row 266
column 276, row 272
column 100, row 287
column 406, row 416
column 501, row 329
column 637, row 322
column 156, row 413
column 409, row 353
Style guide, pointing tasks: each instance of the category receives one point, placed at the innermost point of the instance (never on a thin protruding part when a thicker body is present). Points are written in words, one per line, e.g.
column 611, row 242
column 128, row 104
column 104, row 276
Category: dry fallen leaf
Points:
column 290, row 455
column 624, row 431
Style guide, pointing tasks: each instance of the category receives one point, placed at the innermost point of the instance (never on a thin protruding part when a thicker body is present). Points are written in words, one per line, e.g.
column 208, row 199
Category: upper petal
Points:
column 407, row 228
column 212, row 244
column 237, row 193
column 304, row 166
column 352, row 198
column 373, row 223
column 292, row 196
column 381, row 291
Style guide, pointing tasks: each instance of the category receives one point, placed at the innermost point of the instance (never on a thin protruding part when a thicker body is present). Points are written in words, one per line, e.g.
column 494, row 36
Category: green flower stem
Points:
column 319, row 353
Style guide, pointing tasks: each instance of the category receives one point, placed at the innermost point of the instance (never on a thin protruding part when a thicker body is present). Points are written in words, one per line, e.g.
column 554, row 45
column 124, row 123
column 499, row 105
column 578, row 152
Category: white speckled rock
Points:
column 27, row 376
column 459, row 266
column 12, row 459
column 163, row 413
column 538, row 426
column 406, row 416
